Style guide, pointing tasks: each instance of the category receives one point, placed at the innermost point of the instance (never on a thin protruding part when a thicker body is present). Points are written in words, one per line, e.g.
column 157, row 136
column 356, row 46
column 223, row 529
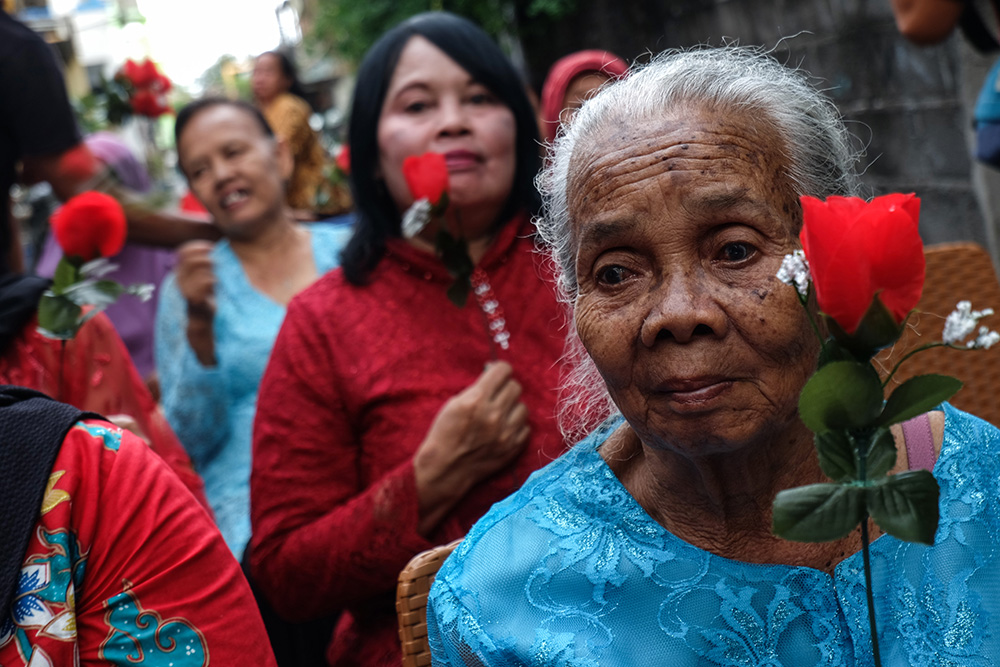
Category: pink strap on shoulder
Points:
column 919, row 442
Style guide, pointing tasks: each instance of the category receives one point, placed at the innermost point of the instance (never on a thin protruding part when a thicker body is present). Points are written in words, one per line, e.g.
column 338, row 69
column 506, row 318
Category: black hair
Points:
column 289, row 71
column 470, row 47
column 185, row 115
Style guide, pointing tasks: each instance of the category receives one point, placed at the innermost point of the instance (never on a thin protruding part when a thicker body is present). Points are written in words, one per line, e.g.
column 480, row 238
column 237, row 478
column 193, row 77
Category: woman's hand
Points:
column 196, row 282
column 477, row 432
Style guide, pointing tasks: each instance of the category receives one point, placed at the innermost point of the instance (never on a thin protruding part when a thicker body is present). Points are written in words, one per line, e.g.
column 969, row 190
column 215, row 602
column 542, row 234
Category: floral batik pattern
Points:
column 64, row 612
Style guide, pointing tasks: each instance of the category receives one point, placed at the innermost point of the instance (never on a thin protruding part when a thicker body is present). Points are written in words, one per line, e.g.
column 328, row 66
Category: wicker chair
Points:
column 955, row 272
column 411, row 603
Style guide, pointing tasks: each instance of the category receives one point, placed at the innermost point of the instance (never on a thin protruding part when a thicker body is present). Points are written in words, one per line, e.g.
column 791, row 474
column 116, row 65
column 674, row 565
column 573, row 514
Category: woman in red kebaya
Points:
column 390, row 418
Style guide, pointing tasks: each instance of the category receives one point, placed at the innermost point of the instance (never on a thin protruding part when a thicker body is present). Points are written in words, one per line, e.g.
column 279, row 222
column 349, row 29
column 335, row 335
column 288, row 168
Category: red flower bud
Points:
column 860, row 250
column 78, row 163
column 427, row 176
column 89, row 225
column 343, row 159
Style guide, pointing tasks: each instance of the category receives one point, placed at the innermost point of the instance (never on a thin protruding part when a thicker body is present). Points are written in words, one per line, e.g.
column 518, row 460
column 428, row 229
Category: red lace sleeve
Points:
column 322, row 539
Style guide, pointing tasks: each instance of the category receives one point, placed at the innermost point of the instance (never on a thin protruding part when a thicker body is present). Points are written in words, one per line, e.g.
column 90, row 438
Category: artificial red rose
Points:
column 144, row 74
column 148, row 103
column 78, row 163
column 162, row 83
column 343, row 159
column 90, row 225
column 859, row 250
column 427, row 176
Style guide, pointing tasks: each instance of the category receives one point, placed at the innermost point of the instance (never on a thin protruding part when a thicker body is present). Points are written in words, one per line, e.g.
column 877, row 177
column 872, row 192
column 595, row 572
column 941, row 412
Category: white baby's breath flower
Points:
column 795, row 271
column 986, row 339
column 144, row 291
column 416, row 218
column 962, row 322
column 97, row 268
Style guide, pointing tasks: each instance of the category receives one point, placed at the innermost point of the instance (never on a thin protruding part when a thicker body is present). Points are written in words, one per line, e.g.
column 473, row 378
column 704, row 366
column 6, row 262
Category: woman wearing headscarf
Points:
column 571, row 81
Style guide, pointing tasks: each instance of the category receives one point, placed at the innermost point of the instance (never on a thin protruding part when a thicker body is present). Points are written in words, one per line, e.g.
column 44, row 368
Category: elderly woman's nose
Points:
column 683, row 310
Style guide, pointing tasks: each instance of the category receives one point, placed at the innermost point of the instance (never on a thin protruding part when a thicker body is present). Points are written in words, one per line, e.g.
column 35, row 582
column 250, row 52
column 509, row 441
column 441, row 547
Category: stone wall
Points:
column 904, row 103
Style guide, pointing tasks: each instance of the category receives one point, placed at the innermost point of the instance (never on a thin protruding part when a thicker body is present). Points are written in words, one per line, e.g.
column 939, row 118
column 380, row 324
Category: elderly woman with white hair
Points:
column 672, row 200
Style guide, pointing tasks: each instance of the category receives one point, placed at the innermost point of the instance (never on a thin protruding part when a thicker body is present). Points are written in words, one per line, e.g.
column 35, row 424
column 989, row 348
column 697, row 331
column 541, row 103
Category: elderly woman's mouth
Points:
column 694, row 391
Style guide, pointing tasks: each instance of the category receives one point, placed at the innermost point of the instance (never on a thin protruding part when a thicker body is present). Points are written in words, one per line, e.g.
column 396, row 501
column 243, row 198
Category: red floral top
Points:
column 355, row 379
column 125, row 568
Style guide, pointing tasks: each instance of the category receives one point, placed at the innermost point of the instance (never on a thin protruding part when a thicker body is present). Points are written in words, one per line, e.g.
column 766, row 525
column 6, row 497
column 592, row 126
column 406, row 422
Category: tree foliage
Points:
column 349, row 27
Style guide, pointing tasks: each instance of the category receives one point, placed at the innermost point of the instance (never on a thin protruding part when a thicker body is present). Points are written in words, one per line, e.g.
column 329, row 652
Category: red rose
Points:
column 89, row 225
column 148, row 103
column 162, row 84
column 860, row 250
column 78, row 163
column 343, row 159
column 144, row 74
column 427, row 176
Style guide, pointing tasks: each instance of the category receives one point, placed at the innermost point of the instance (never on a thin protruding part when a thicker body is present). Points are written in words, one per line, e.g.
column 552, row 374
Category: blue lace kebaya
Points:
column 570, row 571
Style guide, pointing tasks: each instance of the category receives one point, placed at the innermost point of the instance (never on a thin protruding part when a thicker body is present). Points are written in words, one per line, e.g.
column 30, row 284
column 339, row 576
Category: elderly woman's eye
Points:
column 611, row 275
column 737, row 252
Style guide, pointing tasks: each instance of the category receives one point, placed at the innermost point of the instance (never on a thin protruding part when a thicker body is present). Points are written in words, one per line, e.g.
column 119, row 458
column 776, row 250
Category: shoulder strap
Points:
column 919, row 442
column 32, row 428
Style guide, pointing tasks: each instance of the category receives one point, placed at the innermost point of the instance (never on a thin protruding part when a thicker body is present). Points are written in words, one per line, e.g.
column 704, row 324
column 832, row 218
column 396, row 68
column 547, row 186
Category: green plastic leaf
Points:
column 881, row 456
column 916, row 396
column 818, row 512
column 877, row 330
column 458, row 292
column 841, row 395
column 65, row 275
column 906, row 506
column 836, row 456
column 58, row 317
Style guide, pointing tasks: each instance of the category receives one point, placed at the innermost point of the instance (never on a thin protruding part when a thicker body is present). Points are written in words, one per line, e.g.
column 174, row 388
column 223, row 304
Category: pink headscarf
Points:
column 562, row 74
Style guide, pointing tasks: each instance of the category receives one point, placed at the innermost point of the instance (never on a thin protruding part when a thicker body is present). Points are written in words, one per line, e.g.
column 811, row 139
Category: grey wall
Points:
column 903, row 102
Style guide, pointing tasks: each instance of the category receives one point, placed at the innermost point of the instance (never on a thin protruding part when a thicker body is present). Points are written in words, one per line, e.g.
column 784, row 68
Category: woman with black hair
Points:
column 279, row 94
column 390, row 419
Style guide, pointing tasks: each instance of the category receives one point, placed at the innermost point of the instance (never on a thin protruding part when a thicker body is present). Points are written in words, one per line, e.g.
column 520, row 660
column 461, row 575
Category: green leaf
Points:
column 65, row 275
column 836, row 456
column 458, row 292
column 818, row 512
column 881, row 456
column 916, row 396
column 841, row 395
column 58, row 317
column 878, row 329
column 906, row 506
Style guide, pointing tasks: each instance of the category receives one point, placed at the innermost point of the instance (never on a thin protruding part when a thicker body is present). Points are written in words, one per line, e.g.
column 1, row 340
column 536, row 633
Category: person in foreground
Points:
column 390, row 419
column 106, row 558
column 671, row 202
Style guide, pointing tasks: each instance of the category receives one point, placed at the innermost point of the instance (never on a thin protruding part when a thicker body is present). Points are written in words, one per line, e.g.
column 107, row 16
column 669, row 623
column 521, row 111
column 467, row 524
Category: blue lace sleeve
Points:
column 192, row 394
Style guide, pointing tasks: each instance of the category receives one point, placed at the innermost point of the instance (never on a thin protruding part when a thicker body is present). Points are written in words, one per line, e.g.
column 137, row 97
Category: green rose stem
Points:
column 866, row 558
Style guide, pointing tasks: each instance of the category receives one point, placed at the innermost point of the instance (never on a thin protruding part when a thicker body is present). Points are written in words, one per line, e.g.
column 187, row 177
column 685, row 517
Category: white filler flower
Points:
column 962, row 322
column 795, row 271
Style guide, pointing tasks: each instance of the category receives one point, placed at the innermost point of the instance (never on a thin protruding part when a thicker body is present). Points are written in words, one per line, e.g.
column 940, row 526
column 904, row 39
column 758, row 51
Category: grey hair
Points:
column 816, row 144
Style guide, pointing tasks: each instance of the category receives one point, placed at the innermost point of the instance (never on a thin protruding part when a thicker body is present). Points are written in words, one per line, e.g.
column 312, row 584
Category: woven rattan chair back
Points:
column 411, row 603
column 955, row 272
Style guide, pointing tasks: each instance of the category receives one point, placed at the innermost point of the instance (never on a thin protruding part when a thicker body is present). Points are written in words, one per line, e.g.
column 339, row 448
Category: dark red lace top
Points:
column 355, row 379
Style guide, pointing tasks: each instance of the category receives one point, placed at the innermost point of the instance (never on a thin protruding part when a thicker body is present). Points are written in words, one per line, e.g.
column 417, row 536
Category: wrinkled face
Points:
column 433, row 104
column 234, row 169
column 580, row 89
column 680, row 227
column 268, row 81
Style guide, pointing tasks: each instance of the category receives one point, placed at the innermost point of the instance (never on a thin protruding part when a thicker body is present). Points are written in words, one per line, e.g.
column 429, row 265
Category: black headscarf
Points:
column 19, row 296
